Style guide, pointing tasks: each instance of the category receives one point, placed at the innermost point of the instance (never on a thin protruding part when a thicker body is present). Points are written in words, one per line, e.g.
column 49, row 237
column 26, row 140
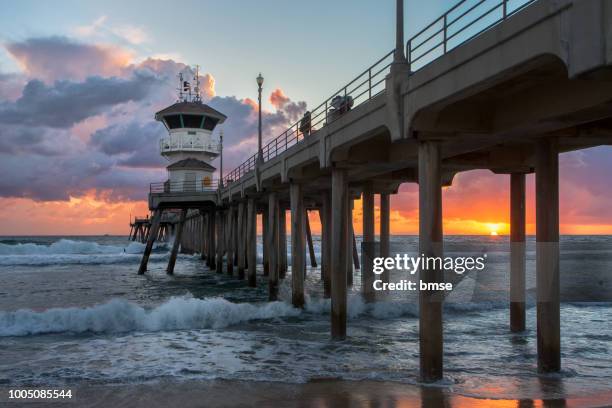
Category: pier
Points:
column 505, row 88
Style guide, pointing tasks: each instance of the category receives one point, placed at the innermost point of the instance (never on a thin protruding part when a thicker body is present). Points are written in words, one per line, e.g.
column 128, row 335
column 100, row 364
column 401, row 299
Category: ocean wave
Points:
column 71, row 252
column 68, row 246
column 116, row 316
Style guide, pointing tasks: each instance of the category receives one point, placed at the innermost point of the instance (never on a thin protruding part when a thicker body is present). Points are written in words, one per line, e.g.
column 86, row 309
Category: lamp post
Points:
column 259, row 150
column 221, row 158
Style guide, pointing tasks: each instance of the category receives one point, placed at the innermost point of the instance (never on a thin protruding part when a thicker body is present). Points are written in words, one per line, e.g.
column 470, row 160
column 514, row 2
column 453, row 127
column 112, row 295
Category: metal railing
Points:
column 361, row 89
column 459, row 24
column 462, row 22
column 166, row 144
column 199, row 186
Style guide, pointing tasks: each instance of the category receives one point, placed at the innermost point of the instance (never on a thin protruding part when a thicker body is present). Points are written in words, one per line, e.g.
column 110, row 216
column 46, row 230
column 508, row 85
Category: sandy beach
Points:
column 320, row 394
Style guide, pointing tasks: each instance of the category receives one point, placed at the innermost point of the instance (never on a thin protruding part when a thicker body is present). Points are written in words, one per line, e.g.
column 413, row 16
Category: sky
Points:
column 80, row 82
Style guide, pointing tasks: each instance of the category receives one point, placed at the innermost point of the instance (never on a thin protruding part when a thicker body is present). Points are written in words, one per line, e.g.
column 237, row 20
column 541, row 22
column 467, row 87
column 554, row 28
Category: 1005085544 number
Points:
column 39, row 394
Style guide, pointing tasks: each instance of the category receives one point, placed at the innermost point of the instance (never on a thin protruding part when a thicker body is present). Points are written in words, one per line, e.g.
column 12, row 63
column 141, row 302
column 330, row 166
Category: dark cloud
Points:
column 136, row 144
column 65, row 83
column 65, row 102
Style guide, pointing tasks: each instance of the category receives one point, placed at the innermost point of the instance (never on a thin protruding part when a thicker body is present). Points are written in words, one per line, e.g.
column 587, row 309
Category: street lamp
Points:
column 259, row 150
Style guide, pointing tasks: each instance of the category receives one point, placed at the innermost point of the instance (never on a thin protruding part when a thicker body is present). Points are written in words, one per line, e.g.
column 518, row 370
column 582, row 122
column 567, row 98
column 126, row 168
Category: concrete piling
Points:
column 298, row 244
column 147, row 252
column 385, row 223
column 339, row 232
column 326, row 236
column 517, row 252
column 367, row 274
column 311, row 252
column 547, row 256
column 176, row 243
column 273, row 245
column 220, row 241
column 241, row 240
column 251, row 241
column 282, row 242
column 430, row 245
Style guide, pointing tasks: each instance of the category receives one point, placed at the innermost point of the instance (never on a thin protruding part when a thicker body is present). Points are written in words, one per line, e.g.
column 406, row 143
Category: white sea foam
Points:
column 67, row 251
column 121, row 316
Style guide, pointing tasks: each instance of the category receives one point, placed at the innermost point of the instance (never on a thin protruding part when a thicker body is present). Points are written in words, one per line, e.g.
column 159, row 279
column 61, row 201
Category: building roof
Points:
column 194, row 108
column 191, row 164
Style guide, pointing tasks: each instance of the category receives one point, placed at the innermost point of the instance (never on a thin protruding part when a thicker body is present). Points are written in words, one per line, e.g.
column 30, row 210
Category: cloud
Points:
column 134, row 144
column 100, row 28
column 53, row 58
column 65, row 102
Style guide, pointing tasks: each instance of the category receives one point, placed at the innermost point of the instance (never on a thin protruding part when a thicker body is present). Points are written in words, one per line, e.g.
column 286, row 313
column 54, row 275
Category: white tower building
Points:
column 191, row 144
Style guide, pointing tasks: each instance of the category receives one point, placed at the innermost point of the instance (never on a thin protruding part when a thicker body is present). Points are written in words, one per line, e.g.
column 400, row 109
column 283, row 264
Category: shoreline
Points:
column 317, row 393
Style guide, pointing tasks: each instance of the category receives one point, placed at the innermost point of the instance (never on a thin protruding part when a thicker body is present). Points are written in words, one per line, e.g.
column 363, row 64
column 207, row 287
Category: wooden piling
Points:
column 177, row 241
column 298, row 244
column 517, row 252
column 339, row 233
column 547, row 256
column 251, row 241
column 367, row 273
column 147, row 252
column 430, row 245
column 273, row 247
column 326, row 237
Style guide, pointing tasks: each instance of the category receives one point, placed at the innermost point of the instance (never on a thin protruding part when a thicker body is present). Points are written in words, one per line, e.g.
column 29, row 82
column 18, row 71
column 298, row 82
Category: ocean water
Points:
column 73, row 311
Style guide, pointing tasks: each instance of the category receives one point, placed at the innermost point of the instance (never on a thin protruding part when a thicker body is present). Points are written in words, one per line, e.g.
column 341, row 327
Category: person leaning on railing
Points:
column 305, row 124
column 339, row 106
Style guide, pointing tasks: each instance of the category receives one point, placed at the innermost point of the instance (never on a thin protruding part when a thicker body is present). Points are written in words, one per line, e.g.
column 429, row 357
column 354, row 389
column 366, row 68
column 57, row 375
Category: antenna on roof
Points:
column 197, row 84
column 180, row 87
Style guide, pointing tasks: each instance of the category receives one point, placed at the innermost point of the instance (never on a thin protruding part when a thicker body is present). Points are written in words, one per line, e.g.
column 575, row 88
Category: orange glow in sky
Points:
column 464, row 213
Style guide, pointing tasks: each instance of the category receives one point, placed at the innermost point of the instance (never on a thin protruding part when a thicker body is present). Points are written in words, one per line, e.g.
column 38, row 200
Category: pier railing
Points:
column 196, row 186
column 364, row 87
column 462, row 22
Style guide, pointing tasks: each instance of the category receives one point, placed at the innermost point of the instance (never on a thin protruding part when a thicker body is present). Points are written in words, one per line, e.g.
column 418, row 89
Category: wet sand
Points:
column 316, row 394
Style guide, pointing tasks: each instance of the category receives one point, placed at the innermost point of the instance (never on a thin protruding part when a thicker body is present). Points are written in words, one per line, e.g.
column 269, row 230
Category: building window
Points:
column 192, row 121
column 173, row 121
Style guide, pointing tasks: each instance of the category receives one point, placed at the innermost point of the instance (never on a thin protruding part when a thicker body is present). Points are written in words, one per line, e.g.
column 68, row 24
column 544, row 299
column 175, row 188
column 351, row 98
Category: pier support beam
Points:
column 251, row 241
column 367, row 274
column 298, row 244
column 203, row 229
column 326, row 236
column 231, row 219
column 241, row 241
column 282, row 242
column 273, row 247
column 210, row 261
column 517, row 252
column 385, row 212
column 177, row 240
column 349, row 242
column 339, row 232
column 220, row 242
column 547, row 256
column 311, row 251
column 430, row 245
column 149, row 247
column 265, row 252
